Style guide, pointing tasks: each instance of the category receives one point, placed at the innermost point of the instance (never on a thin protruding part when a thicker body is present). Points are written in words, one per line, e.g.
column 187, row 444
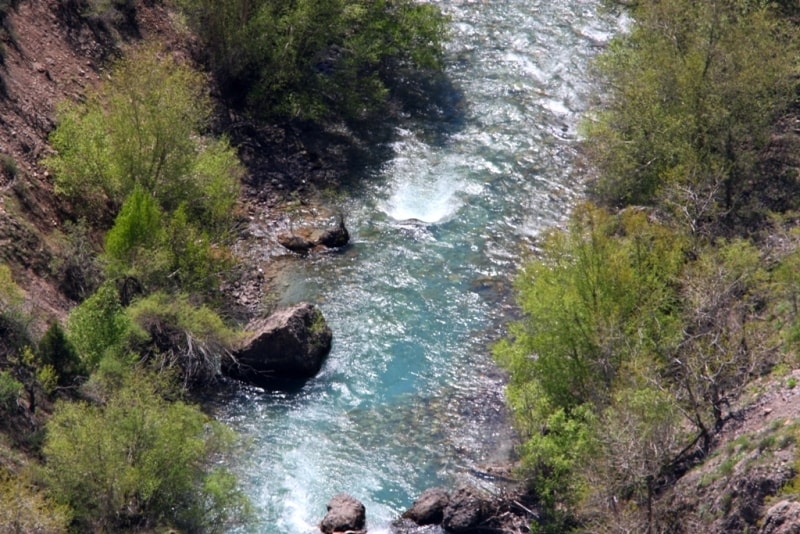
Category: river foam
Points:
column 409, row 397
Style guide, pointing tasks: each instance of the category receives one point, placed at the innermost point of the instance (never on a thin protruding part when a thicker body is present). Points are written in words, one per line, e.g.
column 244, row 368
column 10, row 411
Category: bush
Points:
column 98, row 327
column 10, row 388
column 140, row 461
column 314, row 60
column 55, row 352
column 688, row 100
column 141, row 129
column 27, row 510
column 192, row 340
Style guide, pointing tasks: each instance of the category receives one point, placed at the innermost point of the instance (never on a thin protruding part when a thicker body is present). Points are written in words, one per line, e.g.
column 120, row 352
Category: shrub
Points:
column 26, row 509
column 314, row 60
column 141, row 130
column 8, row 166
column 98, row 327
column 10, row 388
column 140, row 461
column 192, row 340
column 55, row 352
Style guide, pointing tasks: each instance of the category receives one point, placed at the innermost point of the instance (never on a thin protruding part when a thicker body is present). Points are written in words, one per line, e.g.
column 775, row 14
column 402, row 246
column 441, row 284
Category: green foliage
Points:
column 10, row 388
column 98, row 327
column 193, row 340
column 26, row 509
column 601, row 318
column 139, row 460
column 135, row 146
column 690, row 95
column 14, row 322
column 10, row 293
column 138, row 226
column 55, row 352
column 313, row 59
column 599, row 303
column 141, row 130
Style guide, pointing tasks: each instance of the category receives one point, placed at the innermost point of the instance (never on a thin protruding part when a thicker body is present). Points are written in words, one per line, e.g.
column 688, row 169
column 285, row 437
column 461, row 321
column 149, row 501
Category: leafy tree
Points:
column 140, row 129
column 312, row 59
column 689, row 98
column 98, row 326
column 600, row 297
column 140, row 461
column 601, row 320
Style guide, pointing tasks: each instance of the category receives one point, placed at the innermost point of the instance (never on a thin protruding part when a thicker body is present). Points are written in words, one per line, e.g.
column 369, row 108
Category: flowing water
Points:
column 409, row 397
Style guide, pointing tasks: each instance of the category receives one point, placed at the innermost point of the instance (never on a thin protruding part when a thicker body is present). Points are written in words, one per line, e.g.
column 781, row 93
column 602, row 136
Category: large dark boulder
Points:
column 290, row 343
column 464, row 512
column 345, row 514
column 428, row 509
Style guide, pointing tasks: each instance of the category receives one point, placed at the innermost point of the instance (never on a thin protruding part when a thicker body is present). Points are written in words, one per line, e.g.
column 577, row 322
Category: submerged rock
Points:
column 290, row 343
column 345, row 514
column 295, row 243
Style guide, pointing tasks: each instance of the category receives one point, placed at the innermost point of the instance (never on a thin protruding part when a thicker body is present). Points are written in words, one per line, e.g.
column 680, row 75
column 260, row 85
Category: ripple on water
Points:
column 409, row 397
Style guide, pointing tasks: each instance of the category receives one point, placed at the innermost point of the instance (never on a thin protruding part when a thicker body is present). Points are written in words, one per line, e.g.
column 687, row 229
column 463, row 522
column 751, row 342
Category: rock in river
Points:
column 290, row 343
column 345, row 514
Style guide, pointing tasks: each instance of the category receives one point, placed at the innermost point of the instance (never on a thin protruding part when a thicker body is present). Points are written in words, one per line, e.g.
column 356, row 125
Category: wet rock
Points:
column 782, row 518
column 303, row 240
column 335, row 237
column 345, row 514
column 291, row 343
column 429, row 508
column 295, row 243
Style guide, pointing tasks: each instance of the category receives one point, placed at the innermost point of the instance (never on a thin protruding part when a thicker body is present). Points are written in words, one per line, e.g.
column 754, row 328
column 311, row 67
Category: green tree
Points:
column 689, row 97
column 98, row 326
column 601, row 320
column 141, row 129
column 140, row 461
column 314, row 60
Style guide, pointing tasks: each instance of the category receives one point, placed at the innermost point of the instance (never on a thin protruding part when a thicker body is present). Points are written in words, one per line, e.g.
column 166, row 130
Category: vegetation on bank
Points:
column 338, row 59
column 646, row 316
column 96, row 433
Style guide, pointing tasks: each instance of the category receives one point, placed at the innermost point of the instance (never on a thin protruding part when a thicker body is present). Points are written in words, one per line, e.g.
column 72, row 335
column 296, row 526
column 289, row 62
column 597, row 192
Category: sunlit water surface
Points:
column 409, row 397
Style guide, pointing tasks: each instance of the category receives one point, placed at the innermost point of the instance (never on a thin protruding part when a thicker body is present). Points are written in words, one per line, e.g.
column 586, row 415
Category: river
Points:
column 409, row 397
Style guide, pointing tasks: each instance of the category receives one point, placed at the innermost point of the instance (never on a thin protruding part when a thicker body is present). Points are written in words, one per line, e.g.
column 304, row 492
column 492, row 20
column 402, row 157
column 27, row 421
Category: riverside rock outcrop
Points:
column 466, row 510
column 345, row 514
column 291, row 343
column 303, row 240
column 428, row 509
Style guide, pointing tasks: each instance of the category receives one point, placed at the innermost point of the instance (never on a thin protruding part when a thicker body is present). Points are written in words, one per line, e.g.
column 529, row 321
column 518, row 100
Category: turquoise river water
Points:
column 409, row 397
